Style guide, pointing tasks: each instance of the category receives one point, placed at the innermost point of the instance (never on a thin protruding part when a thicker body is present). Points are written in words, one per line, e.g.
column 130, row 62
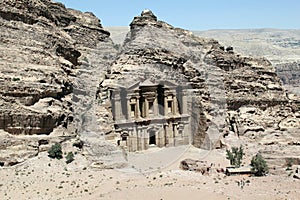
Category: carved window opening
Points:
column 132, row 110
column 180, row 133
column 151, row 108
column 170, row 107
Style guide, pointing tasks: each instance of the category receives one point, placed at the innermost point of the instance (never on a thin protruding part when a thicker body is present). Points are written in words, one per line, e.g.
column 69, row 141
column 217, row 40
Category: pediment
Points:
column 168, row 84
column 134, row 86
column 148, row 83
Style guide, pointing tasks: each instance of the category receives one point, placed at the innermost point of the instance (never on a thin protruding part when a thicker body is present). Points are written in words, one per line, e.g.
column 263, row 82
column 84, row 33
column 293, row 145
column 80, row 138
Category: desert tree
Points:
column 235, row 156
column 259, row 165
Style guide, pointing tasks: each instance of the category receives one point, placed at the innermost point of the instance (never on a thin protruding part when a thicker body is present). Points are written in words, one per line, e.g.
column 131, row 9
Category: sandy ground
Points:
column 45, row 178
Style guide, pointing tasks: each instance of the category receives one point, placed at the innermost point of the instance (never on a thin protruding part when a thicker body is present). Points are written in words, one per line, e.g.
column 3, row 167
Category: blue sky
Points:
column 197, row 14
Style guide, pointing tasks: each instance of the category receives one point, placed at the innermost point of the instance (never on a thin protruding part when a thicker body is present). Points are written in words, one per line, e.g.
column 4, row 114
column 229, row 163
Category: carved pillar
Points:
column 184, row 102
column 175, row 132
column 166, row 105
column 165, row 134
column 137, row 146
column 142, row 140
column 134, row 140
column 155, row 107
column 157, row 137
column 146, row 108
column 171, row 136
column 174, row 105
column 138, row 114
column 143, row 114
column 160, row 137
column 128, row 108
column 117, row 106
column 146, row 138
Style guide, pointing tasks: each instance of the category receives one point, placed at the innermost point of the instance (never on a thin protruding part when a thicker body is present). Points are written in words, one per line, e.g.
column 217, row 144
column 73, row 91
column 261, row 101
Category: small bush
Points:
column 69, row 157
column 259, row 165
column 117, row 46
column 86, row 59
column 15, row 79
column 55, row 151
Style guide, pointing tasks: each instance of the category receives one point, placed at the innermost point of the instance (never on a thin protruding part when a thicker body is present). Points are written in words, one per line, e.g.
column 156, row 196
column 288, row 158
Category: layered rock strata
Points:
column 47, row 55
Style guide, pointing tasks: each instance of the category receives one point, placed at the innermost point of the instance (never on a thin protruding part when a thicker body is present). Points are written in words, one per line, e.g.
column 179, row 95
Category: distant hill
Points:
column 118, row 33
column 278, row 45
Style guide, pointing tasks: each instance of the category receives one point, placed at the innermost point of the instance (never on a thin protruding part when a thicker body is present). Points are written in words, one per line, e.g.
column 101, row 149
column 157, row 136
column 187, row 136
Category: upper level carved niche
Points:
column 147, row 99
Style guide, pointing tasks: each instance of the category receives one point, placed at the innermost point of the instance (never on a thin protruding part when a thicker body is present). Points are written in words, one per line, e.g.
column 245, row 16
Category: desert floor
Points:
column 154, row 174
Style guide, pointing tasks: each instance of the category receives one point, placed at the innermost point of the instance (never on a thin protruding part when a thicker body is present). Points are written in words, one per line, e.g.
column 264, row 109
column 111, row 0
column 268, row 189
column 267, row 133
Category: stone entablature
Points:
column 151, row 114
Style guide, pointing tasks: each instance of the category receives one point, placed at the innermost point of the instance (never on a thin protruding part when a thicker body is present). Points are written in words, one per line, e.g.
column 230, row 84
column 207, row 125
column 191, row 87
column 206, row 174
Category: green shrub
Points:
column 86, row 59
column 55, row 151
column 16, row 79
column 259, row 165
column 117, row 46
column 235, row 156
column 69, row 157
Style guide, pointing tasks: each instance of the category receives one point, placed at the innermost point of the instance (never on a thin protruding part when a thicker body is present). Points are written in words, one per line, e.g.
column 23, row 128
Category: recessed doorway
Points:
column 152, row 138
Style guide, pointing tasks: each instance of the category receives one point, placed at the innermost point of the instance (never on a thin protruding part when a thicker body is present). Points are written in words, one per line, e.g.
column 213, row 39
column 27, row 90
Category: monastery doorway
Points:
column 152, row 138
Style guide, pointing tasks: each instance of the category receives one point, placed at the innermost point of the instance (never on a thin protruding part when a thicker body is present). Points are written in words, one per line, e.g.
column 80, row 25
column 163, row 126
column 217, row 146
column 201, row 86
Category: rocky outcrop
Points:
column 289, row 73
column 281, row 47
column 45, row 57
column 195, row 165
column 200, row 166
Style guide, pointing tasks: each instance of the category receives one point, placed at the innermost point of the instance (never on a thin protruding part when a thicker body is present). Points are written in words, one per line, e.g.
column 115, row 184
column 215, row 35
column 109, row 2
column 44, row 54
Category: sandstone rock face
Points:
column 289, row 73
column 45, row 60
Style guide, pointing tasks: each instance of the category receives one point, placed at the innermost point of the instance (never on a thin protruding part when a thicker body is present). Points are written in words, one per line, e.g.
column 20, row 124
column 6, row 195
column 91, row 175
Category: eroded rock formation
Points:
column 45, row 52
column 289, row 73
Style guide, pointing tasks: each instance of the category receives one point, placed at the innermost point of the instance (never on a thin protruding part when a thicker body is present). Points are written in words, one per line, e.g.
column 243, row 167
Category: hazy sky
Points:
column 197, row 14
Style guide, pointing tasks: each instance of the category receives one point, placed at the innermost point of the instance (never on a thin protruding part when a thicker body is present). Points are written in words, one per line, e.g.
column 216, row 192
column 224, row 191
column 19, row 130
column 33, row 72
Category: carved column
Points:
column 175, row 132
column 138, row 114
column 146, row 108
column 128, row 108
column 146, row 139
column 138, row 138
column 117, row 105
column 174, row 105
column 155, row 107
column 165, row 134
column 166, row 105
column 184, row 102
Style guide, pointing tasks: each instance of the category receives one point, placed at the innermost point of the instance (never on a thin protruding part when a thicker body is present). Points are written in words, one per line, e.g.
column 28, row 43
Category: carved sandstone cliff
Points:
column 235, row 96
column 45, row 53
